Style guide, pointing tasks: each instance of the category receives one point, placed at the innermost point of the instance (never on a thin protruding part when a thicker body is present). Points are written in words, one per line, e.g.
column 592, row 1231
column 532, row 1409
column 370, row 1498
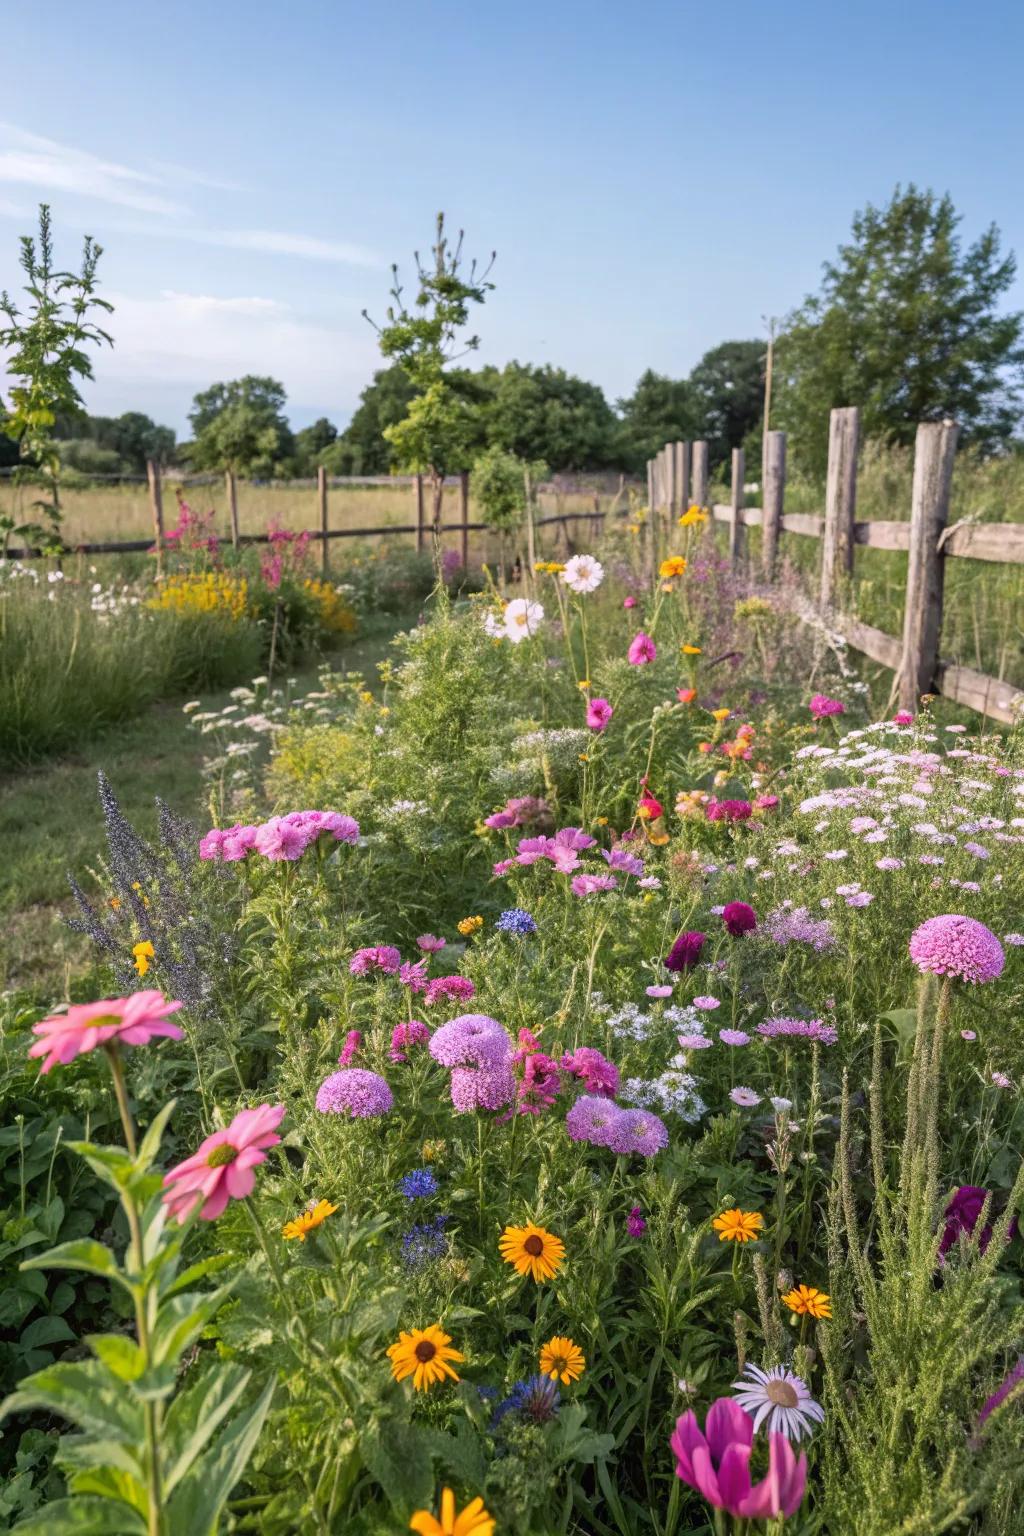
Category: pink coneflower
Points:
column 642, row 650
column 779, row 1400
column 685, row 952
column 739, row 917
column 352, row 1042
column 222, row 1167
column 131, row 1020
column 635, row 1224
column 821, row 706
column 430, row 944
column 957, row 946
column 599, row 712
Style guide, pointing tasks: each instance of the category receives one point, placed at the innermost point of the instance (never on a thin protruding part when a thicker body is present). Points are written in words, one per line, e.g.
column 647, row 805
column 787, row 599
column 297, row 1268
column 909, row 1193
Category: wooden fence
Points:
column 678, row 477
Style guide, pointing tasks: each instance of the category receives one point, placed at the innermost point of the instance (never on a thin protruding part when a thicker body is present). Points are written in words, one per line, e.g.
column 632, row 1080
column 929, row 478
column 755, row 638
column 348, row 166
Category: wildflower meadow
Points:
column 570, row 1084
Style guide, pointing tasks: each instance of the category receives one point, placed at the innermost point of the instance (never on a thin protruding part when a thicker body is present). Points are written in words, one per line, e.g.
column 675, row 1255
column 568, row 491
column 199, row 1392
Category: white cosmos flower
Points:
column 778, row 1400
column 522, row 618
column 494, row 626
column 583, row 573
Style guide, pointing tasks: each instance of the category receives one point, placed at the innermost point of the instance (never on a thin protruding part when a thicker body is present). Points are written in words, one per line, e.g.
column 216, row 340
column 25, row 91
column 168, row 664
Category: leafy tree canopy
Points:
column 907, row 326
column 241, row 426
column 728, row 392
column 547, row 413
column 660, row 410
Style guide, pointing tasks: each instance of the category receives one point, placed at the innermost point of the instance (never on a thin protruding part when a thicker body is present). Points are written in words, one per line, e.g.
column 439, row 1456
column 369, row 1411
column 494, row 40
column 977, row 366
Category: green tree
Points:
column 311, row 444
column 660, row 410
column 728, row 394
column 906, row 326
column 362, row 449
column 240, row 426
column 548, row 413
column 441, row 426
column 46, row 358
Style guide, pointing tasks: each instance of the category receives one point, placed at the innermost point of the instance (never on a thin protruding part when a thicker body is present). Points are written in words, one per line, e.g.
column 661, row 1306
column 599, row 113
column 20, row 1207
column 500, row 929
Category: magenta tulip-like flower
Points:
column 957, row 946
column 685, row 951
column 642, row 649
column 131, row 1020
column 222, row 1168
column 599, row 712
column 717, row 1464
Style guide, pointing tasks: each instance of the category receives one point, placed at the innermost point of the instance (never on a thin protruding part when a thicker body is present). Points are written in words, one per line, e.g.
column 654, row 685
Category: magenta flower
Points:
column 629, row 602
column 642, row 650
column 379, row 957
column 475, row 1088
column 589, row 885
column 281, row 839
column 821, row 706
column 734, row 1037
column 598, row 1075
column 903, row 717
column 635, row 1224
column 728, row 810
column 473, row 1039
column 599, row 712
column 131, row 1020
column 430, row 944
column 451, row 988
column 621, row 859
column 404, row 1035
column 717, row 1464
column 766, row 802
column 352, row 1042
column 413, row 974
column 222, row 1167
column 685, row 952
column 957, row 946
column 739, row 918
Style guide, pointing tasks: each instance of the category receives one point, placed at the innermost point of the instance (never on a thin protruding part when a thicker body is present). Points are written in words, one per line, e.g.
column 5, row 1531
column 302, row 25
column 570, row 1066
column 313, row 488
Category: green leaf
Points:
column 120, row 1354
column 198, row 1272
column 180, row 1321
column 85, row 1394
column 196, row 1506
column 83, row 1516
column 398, row 1456
column 195, row 1416
column 45, row 1330
column 153, row 1137
column 83, row 1253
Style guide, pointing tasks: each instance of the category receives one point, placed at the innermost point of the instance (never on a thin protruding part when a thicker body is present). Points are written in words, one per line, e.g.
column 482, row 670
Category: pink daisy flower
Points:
column 222, row 1167
column 131, row 1020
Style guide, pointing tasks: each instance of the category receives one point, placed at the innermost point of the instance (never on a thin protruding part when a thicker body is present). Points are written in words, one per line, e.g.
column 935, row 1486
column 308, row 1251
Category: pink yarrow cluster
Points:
column 957, row 946
column 282, row 838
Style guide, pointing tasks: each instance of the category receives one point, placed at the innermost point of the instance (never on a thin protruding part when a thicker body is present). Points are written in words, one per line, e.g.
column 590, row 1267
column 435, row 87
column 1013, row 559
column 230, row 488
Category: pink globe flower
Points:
column 821, row 706
column 599, row 712
column 717, row 1464
column 629, row 602
column 222, row 1167
column 131, row 1020
column 903, row 717
column 957, row 946
column 739, row 917
column 642, row 650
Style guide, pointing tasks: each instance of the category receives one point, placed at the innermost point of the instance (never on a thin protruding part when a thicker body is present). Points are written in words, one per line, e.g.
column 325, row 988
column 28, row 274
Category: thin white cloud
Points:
column 9, row 210
column 278, row 242
column 197, row 304
column 30, row 160
column 170, row 171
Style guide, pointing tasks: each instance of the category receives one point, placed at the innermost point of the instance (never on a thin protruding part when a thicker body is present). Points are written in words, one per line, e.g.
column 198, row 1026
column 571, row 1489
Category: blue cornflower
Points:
column 516, row 921
column 536, row 1399
column 418, row 1185
column 423, row 1242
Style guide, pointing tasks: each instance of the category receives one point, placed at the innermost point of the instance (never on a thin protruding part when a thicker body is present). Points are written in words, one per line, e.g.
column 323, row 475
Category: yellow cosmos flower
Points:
column 423, row 1354
column 143, row 955
column 316, row 1212
column 691, row 650
column 693, row 515
column 365, row 696
column 474, row 1520
column 675, row 565
column 738, row 1226
column 468, row 925
column 562, row 1360
column 549, row 567
column 720, row 714
column 808, row 1299
column 532, row 1251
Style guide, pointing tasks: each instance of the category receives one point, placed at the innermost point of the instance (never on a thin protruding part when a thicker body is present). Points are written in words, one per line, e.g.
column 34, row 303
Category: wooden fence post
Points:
column 156, row 502
column 232, row 490
column 417, row 485
column 464, row 516
column 773, row 499
column 671, row 483
column 682, row 476
column 650, row 487
column 699, row 470
column 840, row 501
column 736, row 525
column 321, row 491
column 934, row 451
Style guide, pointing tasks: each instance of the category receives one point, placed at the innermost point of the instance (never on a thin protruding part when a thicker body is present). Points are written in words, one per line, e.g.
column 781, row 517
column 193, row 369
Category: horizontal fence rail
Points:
column 927, row 537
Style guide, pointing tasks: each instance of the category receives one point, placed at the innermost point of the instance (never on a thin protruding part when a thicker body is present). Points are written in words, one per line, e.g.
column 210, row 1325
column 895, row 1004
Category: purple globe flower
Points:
column 471, row 1040
column 356, row 1093
column 739, row 917
column 639, row 1130
column 593, row 1119
column 475, row 1088
column 957, row 946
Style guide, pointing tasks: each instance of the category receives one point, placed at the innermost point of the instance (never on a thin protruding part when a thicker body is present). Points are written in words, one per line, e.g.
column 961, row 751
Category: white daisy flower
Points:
column 583, row 573
column 522, row 618
column 779, row 1401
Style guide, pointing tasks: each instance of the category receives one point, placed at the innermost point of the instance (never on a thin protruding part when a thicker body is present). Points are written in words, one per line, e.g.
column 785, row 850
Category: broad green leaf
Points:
column 85, row 1394
column 82, row 1451
column 195, row 1507
column 45, row 1330
column 153, row 1137
column 398, row 1456
column 83, row 1253
column 195, row 1416
column 83, row 1516
column 197, row 1272
column 120, row 1354
column 180, row 1321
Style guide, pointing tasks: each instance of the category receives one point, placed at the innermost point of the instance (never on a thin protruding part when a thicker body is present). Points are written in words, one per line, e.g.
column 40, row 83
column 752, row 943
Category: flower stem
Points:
column 127, row 1123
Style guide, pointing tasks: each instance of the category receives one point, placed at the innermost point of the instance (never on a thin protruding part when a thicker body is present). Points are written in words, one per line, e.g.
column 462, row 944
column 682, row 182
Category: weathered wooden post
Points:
column 736, row 523
column 934, row 452
column 321, row 491
column 417, row 487
column 156, row 503
column 464, row 517
column 772, row 500
column 650, row 486
column 232, row 490
column 682, row 477
column 840, row 502
column 671, row 484
column 699, row 471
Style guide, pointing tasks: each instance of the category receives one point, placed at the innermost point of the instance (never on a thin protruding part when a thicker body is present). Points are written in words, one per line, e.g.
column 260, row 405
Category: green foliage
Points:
column 728, row 393
column 500, row 484
column 908, row 327
column 241, row 426
column 546, row 413
column 114, row 445
column 658, row 411
column 363, row 449
column 46, row 359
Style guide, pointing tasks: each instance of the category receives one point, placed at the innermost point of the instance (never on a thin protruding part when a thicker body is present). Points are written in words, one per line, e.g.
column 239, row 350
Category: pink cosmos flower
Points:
column 222, row 1167
column 717, row 1464
column 430, row 944
column 642, row 650
column 131, row 1020
column 599, row 712
column 589, row 885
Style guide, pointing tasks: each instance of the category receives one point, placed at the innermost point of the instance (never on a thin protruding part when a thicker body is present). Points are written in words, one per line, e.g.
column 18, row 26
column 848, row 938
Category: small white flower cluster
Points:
column 673, row 1093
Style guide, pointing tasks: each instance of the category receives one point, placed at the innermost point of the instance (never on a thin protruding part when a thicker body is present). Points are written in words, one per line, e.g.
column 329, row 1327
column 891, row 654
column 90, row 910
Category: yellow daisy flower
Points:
column 738, row 1226
column 808, row 1299
column 316, row 1212
column 474, row 1520
column 562, row 1360
column 423, row 1354
column 675, row 565
column 720, row 714
column 532, row 1251
column 143, row 955
column 693, row 515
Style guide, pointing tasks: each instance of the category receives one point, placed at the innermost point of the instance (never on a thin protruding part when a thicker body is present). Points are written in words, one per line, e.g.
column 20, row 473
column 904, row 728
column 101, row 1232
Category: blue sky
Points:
column 655, row 177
